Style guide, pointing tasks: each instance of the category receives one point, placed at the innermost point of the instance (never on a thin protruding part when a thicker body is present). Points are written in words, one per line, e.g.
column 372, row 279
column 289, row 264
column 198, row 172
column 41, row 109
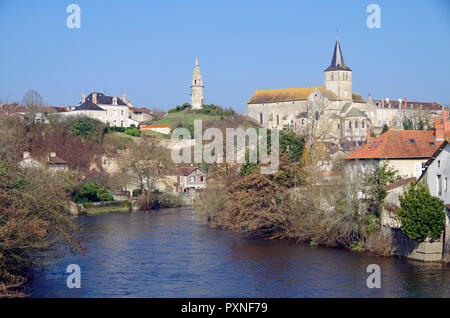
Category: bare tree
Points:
column 31, row 100
column 146, row 164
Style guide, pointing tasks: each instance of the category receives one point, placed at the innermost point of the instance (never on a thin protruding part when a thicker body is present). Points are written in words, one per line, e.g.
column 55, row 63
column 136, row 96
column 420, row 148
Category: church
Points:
column 340, row 113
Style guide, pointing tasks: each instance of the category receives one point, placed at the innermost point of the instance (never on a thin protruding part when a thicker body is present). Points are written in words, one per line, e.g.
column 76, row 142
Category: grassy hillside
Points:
column 185, row 118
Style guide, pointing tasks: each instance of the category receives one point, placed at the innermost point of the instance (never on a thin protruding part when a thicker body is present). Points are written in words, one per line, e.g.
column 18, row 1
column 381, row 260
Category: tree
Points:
column 146, row 164
column 31, row 100
column 385, row 129
column 377, row 180
column 421, row 214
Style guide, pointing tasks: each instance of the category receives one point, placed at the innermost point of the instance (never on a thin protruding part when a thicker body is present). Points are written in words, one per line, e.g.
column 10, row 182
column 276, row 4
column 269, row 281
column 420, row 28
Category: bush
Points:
column 86, row 127
column 421, row 214
column 159, row 200
column 137, row 192
column 91, row 192
column 133, row 132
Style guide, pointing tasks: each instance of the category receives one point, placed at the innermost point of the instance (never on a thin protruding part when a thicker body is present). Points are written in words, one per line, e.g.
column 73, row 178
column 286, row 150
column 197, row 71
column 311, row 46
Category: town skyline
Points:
column 155, row 53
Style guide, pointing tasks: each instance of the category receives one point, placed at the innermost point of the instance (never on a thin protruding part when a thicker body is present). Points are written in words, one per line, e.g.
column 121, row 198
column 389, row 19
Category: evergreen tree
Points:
column 422, row 215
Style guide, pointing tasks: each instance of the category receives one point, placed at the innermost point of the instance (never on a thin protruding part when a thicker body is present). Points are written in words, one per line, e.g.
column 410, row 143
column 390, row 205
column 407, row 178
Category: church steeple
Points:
column 338, row 76
column 197, row 88
column 337, row 62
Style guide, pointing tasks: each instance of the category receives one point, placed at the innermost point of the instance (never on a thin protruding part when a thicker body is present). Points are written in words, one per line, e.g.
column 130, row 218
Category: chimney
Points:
column 94, row 98
column 26, row 154
column 405, row 105
column 83, row 97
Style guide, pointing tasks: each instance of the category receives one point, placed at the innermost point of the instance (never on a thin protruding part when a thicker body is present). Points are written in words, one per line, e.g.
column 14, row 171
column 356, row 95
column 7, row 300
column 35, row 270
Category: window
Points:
column 350, row 124
column 356, row 124
column 445, row 185
column 278, row 119
column 121, row 123
column 439, row 184
column 192, row 179
column 363, row 124
column 439, row 163
column 260, row 118
column 121, row 113
column 201, row 179
column 345, row 93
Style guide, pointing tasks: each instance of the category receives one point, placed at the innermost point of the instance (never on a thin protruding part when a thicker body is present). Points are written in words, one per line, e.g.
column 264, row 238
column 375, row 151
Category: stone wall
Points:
column 427, row 251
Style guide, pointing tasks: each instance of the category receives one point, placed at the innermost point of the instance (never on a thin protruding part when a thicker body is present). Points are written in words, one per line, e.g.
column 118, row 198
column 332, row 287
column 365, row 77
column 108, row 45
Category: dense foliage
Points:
column 421, row 214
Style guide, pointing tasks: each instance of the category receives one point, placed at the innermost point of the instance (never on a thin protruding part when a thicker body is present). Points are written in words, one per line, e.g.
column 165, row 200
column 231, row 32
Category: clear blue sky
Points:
column 147, row 49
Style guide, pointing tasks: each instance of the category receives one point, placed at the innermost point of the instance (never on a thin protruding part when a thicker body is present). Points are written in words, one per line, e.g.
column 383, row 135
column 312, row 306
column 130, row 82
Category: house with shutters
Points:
column 190, row 179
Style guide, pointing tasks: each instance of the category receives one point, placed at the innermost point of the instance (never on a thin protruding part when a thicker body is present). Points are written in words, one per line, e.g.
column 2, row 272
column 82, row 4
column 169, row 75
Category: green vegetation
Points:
column 91, row 192
column 385, row 129
column 377, row 180
column 135, row 132
column 421, row 214
column 87, row 127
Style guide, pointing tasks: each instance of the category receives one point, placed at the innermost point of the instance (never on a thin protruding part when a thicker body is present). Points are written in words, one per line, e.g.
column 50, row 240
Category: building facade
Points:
column 110, row 110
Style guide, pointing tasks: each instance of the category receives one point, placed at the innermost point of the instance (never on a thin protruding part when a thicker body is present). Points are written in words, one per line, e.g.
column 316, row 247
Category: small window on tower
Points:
column 345, row 93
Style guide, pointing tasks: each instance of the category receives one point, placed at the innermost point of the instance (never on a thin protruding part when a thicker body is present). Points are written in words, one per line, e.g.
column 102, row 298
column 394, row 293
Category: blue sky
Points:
column 147, row 49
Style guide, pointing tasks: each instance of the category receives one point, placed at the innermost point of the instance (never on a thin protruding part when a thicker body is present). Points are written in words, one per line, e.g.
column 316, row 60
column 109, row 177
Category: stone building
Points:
column 341, row 111
column 110, row 110
column 197, row 96
column 393, row 113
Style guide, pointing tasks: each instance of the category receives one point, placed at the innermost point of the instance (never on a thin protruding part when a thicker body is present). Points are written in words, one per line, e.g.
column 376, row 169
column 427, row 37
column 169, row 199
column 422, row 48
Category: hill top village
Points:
column 375, row 159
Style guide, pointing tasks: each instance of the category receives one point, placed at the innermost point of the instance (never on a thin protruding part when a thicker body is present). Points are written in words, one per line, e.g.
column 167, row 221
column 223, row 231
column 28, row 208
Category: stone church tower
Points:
column 338, row 76
column 197, row 87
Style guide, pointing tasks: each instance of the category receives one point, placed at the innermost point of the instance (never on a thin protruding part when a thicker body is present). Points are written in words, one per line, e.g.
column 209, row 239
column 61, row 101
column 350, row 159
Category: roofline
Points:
column 433, row 156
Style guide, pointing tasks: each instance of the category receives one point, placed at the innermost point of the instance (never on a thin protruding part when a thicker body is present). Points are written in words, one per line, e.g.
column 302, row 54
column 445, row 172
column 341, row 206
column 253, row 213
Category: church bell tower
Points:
column 338, row 76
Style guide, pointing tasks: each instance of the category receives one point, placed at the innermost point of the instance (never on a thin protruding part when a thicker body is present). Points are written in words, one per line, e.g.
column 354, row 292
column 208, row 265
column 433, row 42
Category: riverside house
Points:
column 53, row 162
column 190, row 179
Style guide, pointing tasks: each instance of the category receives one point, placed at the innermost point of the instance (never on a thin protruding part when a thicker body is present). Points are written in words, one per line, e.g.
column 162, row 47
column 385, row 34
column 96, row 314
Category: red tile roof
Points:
column 398, row 144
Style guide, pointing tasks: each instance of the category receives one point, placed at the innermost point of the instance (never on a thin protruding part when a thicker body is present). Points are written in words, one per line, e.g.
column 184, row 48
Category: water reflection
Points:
column 169, row 253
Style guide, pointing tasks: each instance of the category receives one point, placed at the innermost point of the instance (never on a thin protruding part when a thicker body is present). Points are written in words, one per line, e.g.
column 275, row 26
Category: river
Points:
column 171, row 253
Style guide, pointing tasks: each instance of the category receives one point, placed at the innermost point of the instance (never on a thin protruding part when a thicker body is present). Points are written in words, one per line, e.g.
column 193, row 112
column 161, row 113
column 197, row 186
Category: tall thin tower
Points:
column 197, row 87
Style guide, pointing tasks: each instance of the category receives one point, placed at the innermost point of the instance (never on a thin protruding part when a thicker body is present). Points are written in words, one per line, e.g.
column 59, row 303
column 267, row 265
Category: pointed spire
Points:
column 197, row 72
column 337, row 63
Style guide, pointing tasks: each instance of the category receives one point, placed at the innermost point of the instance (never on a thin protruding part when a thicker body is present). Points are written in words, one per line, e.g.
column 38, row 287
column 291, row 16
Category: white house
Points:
column 110, row 110
column 436, row 173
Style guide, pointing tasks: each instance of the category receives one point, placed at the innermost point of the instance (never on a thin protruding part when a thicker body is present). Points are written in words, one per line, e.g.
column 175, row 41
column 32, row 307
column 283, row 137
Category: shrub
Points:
column 137, row 192
column 421, row 214
column 91, row 192
column 133, row 132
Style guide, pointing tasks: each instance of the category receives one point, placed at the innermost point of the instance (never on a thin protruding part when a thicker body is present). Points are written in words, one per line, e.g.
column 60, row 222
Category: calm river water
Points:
column 170, row 253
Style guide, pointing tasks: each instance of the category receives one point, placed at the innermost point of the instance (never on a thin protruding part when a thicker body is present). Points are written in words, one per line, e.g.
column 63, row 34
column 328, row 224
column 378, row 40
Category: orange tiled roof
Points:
column 398, row 144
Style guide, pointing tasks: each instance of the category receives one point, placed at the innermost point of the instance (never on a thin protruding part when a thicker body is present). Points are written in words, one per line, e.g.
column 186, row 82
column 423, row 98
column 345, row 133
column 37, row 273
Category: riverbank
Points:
column 106, row 207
